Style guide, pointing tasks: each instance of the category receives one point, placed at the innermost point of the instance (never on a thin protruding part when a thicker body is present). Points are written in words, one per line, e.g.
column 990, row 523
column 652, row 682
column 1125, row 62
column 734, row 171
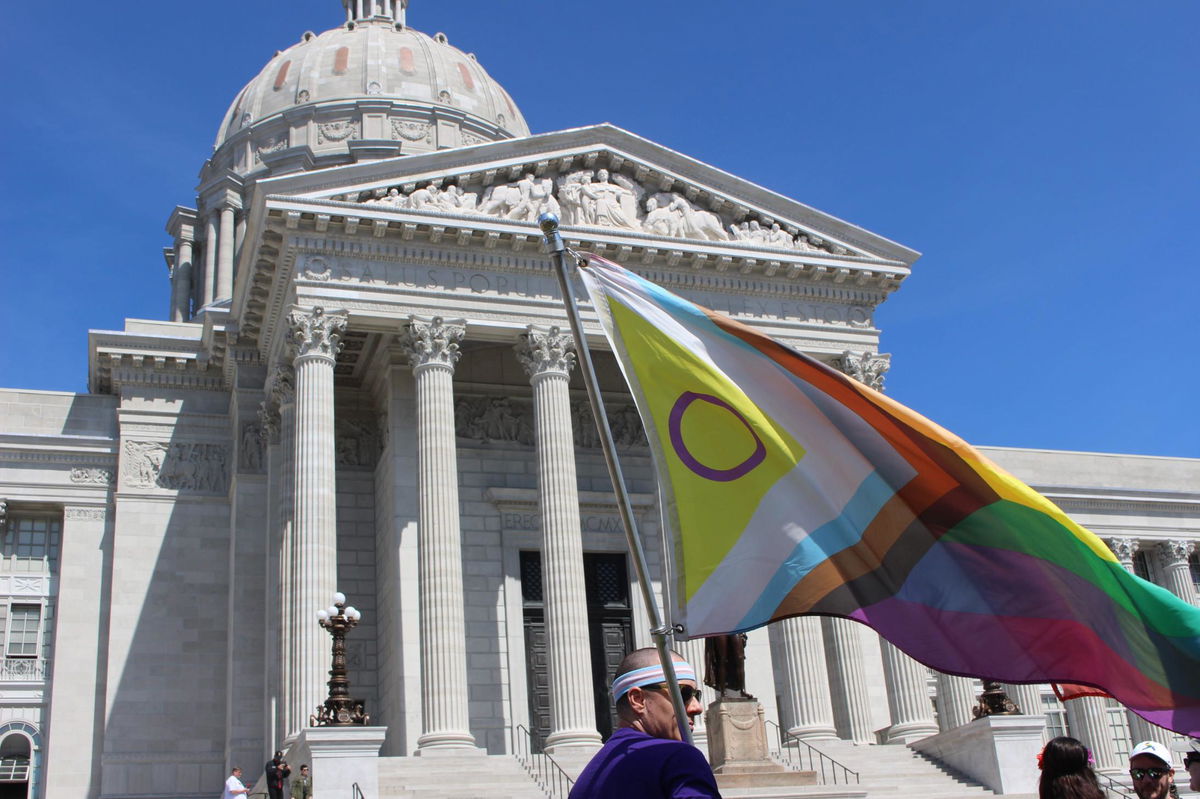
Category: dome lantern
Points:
column 375, row 11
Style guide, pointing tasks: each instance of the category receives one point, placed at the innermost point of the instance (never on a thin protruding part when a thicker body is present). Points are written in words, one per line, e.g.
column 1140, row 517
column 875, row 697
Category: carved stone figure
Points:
column 695, row 223
column 612, row 204
column 524, row 200
column 455, row 200
column 576, row 208
column 250, row 449
column 725, row 665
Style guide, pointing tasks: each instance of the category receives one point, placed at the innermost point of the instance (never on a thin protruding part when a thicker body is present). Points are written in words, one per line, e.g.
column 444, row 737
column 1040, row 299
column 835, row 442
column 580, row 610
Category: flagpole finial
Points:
column 549, row 223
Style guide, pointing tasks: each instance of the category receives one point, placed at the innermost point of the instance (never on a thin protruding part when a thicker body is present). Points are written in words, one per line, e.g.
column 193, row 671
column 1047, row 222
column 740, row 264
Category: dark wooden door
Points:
column 610, row 634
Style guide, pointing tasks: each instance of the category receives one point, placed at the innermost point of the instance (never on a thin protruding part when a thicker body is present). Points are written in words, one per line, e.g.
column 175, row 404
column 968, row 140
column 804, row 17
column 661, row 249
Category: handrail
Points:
column 1112, row 786
column 549, row 776
column 809, row 758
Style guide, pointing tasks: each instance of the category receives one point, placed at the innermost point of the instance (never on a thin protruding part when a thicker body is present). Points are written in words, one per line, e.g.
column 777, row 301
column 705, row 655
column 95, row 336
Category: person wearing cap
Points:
column 1151, row 771
column 646, row 757
column 1191, row 759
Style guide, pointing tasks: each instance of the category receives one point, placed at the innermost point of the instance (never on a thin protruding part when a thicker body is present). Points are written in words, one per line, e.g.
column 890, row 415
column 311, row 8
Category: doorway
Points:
column 610, row 634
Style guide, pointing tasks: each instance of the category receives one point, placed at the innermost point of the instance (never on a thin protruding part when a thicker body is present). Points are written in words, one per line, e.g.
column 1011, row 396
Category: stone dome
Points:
column 370, row 88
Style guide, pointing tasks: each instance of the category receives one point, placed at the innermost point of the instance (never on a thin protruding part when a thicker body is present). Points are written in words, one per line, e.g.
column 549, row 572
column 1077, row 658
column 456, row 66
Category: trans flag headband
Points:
column 651, row 675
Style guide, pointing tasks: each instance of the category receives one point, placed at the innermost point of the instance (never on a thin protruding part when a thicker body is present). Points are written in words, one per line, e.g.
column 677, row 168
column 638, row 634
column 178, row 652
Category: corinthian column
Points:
column 547, row 358
column 316, row 336
column 848, row 681
column 1140, row 730
column 1087, row 719
column 1177, row 570
column 955, row 701
column 181, row 278
column 806, row 703
column 290, row 714
column 268, row 418
column 432, row 349
column 210, row 258
column 908, row 697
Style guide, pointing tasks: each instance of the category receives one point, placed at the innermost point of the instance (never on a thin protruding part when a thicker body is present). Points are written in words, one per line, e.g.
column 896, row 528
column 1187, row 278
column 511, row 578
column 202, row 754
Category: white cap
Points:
column 1154, row 749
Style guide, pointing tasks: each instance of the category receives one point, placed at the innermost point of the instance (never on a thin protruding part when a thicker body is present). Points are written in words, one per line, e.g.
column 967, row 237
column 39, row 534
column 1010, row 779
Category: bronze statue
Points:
column 725, row 665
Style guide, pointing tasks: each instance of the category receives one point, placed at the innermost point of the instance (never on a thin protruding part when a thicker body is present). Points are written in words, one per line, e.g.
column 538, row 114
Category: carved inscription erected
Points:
column 178, row 466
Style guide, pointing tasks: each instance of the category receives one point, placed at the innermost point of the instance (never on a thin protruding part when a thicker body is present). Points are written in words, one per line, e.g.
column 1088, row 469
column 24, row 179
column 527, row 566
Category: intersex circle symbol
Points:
column 675, row 426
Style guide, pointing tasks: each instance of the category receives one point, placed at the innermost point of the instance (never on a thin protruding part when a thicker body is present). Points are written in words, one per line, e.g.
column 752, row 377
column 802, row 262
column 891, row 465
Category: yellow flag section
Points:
column 722, row 453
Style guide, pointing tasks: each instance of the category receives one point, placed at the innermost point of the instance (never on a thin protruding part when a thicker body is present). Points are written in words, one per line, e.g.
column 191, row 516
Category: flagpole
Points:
column 549, row 225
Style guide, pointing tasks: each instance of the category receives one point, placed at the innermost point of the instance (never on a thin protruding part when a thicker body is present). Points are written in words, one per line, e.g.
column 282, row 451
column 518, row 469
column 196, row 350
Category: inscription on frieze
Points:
column 334, row 268
column 531, row 521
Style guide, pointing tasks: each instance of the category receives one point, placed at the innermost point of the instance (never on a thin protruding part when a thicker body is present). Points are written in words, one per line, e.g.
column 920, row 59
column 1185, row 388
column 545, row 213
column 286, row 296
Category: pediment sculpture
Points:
column 597, row 198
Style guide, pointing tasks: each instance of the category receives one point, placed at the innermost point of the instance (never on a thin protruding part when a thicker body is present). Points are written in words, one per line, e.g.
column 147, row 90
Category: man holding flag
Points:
column 646, row 757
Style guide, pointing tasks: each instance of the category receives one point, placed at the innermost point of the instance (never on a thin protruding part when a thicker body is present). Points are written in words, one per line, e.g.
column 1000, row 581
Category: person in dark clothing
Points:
column 646, row 757
column 277, row 773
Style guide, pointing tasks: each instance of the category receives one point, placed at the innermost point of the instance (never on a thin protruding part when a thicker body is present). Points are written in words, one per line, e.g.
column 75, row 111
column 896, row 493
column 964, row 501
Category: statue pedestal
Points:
column 737, row 748
column 339, row 758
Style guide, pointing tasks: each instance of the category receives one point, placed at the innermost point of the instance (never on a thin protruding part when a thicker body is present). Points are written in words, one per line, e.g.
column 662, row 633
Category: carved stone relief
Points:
column 357, row 441
column 498, row 419
column 597, row 197
column 179, row 466
column 410, row 130
column 339, row 130
column 90, row 475
column 91, row 514
column 269, row 145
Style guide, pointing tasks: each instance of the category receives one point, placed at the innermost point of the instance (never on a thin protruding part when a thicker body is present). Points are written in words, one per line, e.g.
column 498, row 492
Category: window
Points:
column 14, row 759
column 1141, row 565
column 30, row 543
column 1056, row 716
column 1194, row 564
column 24, row 631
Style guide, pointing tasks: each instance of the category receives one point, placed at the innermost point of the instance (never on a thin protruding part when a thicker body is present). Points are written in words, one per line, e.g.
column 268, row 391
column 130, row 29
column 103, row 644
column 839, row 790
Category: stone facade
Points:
column 364, row 386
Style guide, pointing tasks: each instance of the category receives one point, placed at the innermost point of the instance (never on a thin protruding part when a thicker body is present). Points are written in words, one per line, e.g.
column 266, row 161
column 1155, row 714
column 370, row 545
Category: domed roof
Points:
column 372, row 80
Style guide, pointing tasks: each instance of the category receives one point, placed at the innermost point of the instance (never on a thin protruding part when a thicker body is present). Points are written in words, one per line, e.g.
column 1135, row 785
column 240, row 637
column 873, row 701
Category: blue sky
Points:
column 1041, row 155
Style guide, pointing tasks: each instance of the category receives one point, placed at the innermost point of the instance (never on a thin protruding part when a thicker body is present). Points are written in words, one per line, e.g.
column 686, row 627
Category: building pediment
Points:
column 604, row 183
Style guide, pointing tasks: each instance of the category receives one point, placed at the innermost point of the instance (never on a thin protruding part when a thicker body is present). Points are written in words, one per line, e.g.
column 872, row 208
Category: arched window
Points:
column 15, row 756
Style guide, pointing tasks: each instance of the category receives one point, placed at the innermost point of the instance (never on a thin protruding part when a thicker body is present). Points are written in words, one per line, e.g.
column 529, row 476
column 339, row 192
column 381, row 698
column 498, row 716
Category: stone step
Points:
column 456, row 777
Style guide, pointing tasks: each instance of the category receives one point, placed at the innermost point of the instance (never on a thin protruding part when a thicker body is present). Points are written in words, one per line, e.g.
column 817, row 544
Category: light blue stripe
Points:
column 824, row 542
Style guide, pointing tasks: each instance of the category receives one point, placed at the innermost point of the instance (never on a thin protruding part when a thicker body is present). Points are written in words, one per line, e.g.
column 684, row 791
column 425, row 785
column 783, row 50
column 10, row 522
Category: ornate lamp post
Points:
column 994, row 702
column 339, row 709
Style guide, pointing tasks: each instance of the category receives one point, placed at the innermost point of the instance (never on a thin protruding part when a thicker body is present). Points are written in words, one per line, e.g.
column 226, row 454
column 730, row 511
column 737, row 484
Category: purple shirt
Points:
column 632, row 765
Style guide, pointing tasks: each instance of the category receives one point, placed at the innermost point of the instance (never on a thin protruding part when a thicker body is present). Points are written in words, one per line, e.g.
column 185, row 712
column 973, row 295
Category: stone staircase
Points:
column 456, row 777
column 897, row 772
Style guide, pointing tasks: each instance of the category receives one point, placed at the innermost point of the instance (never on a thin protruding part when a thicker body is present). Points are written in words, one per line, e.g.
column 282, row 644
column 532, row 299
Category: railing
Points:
column 23, row 669
column 1113, row 787
column 803, row 755
column 548, row 775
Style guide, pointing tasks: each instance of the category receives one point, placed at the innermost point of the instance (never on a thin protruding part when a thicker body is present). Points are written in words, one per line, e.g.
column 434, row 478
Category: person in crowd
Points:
column 234, row 786
column 646, row 757
column 1067, row 771
column 1151, row 771
column 302, row 784
column 277, row 771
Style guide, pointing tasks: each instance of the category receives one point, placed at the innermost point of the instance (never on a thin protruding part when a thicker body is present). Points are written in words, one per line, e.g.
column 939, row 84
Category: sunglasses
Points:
column 1142, row 773
column 686, row 691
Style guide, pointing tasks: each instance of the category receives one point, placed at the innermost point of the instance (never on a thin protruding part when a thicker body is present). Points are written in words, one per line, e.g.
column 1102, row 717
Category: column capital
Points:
column 1123, row 547
column 316, row 333
column 1173, row 553
column 868, row 368
column 281, row 386
column 432, row 342
column 544, row 351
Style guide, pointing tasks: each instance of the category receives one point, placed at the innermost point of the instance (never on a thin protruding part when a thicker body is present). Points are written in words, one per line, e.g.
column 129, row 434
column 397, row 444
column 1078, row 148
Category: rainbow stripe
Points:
column 790, row 488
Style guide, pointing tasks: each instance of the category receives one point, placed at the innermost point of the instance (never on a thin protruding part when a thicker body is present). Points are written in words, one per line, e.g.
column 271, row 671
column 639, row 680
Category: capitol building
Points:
column 365, row 385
